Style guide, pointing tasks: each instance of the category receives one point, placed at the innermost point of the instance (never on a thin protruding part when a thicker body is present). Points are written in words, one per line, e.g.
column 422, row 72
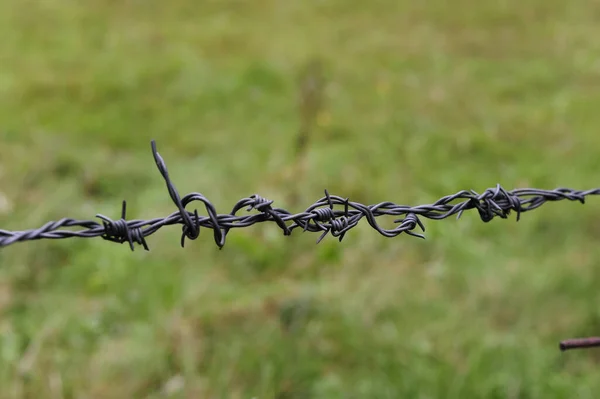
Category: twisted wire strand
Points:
column 322, row 216
column 319, row 217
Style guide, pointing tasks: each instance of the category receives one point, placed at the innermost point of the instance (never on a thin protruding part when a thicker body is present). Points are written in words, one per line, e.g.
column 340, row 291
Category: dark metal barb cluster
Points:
column 321, row 217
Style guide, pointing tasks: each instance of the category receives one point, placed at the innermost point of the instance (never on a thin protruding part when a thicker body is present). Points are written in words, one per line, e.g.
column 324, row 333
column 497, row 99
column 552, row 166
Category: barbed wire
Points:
column 319, row 217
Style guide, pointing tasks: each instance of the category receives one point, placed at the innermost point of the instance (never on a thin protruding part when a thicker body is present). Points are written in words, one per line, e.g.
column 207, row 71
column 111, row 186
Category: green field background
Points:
column 385, row 100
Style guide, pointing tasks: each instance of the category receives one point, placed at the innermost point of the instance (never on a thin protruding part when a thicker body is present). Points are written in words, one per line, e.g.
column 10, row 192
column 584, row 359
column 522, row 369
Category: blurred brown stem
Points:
column 310, row 104
column 580, row 343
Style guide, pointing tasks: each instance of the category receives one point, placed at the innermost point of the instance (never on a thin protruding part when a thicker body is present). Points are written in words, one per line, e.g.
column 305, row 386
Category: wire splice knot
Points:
column 120, row 232
column 264, row 205
column 409, row 223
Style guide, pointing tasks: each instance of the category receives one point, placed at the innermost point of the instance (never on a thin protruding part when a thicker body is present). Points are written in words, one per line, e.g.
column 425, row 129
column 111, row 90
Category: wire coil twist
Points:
column 319, row 217
column 322, row 216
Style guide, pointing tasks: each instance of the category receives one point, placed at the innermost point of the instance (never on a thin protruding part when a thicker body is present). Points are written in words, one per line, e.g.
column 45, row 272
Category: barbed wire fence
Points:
column 320, row 217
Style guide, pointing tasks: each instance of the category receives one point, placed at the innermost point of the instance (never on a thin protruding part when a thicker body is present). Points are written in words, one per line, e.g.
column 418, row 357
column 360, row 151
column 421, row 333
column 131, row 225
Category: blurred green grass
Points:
column 419, row 101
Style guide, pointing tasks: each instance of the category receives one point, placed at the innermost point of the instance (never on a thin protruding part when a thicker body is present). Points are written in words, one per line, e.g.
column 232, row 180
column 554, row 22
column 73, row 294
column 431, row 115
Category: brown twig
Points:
column 579, row 343
column 310, row 104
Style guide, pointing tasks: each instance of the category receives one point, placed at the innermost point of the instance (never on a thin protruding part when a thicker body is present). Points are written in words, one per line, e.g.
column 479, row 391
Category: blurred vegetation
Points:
column 399, row 101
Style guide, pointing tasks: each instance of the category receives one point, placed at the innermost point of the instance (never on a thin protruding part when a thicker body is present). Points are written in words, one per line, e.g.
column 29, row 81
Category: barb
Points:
column 320, row 217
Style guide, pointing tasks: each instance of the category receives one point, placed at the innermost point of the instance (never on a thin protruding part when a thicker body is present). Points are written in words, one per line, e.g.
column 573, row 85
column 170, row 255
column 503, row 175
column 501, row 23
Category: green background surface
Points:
column 400, row 101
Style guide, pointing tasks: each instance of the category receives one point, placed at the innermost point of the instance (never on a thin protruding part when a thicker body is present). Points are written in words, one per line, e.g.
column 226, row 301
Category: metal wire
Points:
column 319, row 217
